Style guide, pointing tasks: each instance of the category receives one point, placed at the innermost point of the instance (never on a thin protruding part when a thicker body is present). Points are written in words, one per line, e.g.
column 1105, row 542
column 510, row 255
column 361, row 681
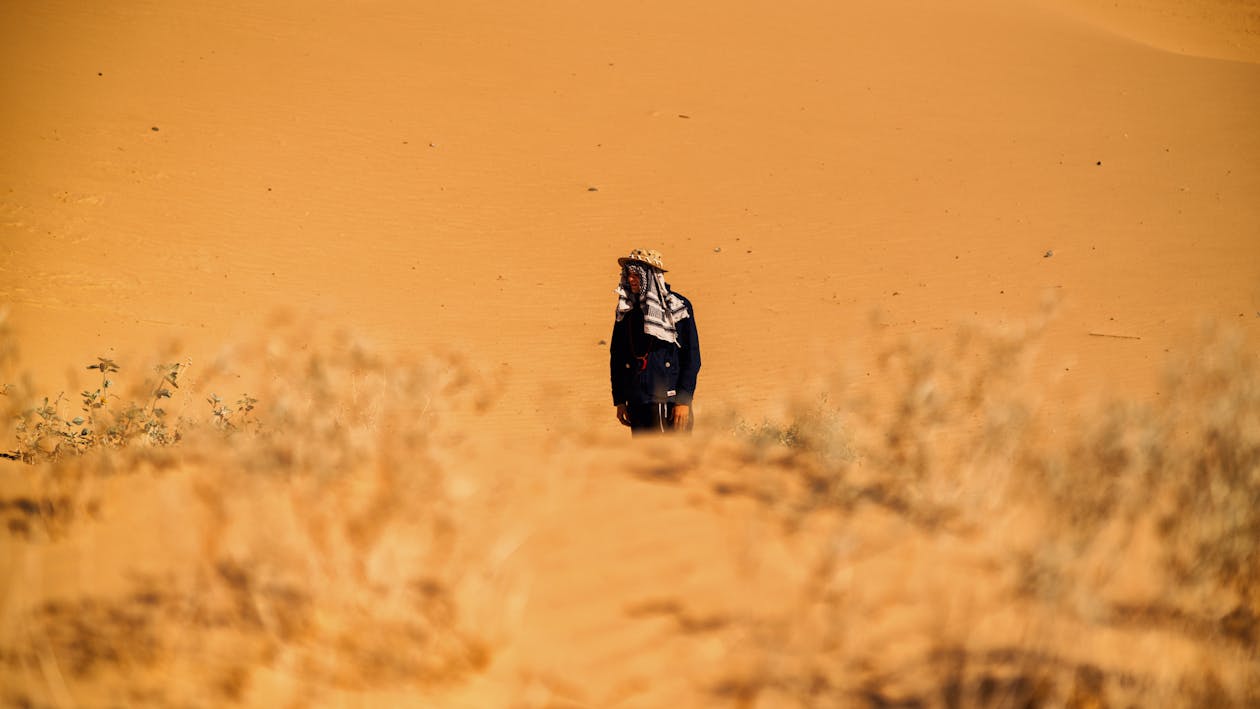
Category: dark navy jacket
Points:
column 646, row 370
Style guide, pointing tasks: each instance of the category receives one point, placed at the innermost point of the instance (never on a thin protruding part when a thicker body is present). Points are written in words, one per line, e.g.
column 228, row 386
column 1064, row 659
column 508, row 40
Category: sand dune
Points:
column 1217, row 29
column 433, row 504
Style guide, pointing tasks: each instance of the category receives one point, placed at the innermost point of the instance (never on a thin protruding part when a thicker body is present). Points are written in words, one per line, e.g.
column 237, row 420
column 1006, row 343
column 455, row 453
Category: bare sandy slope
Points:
column 425, row 176
column 823, row 179
column 1220, row 29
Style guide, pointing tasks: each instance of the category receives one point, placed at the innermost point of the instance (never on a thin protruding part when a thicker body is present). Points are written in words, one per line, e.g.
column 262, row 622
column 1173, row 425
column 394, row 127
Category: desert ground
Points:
column 304, row 349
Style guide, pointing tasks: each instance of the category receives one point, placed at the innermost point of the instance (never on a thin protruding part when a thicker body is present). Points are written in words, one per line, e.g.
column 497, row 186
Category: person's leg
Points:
column 647, row 418
column 656, row 418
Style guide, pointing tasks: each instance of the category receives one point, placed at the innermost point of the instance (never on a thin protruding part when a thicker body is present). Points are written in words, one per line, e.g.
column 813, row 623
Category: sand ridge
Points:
column 1218, row 29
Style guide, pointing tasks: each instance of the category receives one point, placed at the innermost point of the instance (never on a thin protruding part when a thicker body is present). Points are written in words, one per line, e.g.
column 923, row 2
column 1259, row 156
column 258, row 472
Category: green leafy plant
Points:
column 108, row 420
column 223, row 415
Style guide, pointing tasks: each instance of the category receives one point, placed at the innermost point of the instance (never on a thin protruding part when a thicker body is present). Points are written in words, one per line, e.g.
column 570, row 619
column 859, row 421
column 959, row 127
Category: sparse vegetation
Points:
column 226, row 418
column 107, row 419
column 956, row 444
column 954, row 540
column 321, row 527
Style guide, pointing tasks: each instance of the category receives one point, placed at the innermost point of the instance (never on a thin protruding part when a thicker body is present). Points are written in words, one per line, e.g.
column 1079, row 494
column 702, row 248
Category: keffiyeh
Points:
column 661, row 309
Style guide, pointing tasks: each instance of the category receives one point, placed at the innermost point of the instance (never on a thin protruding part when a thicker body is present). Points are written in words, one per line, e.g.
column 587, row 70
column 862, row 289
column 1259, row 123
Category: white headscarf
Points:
column 661, row 309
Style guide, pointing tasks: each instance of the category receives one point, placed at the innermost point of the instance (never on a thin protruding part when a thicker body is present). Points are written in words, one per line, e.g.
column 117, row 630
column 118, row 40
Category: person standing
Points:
column 654, row 356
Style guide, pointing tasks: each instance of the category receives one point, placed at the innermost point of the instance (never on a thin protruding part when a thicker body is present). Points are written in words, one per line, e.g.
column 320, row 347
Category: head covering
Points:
column 661, row 309
column 647, row 257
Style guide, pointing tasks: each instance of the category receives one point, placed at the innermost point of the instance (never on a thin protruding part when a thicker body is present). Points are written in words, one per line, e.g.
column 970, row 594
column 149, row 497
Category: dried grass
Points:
column 959, row 542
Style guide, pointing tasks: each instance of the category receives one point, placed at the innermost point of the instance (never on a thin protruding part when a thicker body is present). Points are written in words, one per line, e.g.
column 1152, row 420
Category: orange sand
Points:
column 461, row 176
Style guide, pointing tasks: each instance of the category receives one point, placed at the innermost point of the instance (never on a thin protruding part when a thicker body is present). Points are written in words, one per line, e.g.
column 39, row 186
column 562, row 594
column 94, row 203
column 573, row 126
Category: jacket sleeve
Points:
column 617, row 357
column 688, row 357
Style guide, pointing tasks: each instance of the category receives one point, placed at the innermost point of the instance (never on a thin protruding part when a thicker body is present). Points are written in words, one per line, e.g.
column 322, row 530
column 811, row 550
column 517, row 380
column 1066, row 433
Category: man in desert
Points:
column 655, row 351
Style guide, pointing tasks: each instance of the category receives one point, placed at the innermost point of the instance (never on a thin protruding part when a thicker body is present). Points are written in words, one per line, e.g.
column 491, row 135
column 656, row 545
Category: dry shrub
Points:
column 320, row 512
column 1188, row 464
column 958, row 541
column 934, row 439
column 1111, row 518
column 1207, row 475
